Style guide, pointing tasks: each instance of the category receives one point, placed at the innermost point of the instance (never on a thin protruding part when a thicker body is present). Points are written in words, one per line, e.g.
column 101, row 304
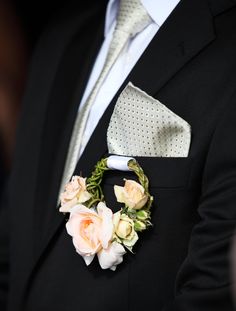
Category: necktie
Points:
column 132, row 18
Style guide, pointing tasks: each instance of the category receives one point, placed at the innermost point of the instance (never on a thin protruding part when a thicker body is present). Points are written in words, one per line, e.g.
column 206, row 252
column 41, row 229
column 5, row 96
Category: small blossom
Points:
column 132, row 194
column 139, row 225
column 75, row 192
column 143, row 215
column 124, row 229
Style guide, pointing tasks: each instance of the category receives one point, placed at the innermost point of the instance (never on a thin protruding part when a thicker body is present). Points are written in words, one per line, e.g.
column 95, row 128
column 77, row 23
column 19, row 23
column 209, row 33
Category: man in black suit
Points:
column 182, row 262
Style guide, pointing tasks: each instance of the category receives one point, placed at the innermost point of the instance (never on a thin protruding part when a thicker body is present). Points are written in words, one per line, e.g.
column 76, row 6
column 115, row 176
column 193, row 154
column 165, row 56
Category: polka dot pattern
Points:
column 132, row 17
column 142, row 126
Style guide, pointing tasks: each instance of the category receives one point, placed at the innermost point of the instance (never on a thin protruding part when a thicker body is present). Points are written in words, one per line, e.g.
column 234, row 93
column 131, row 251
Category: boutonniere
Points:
column 94, row 228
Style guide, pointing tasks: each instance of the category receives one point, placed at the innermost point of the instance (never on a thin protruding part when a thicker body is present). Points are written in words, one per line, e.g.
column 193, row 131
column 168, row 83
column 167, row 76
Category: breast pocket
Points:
column 169, row 178
column 174, row 210
column 162, row 172
column 165, row 172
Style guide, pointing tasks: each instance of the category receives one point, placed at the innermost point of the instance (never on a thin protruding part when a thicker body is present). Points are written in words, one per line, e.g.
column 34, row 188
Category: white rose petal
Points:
column 130, row 243
column 112, row 256
column 107, row 223
column 116, row 219
column 85, row 196
column 88, row 259
column 66, row 208
column 119, row 193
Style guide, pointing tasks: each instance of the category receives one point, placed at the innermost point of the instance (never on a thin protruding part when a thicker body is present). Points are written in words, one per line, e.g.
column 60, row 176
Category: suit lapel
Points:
column 71, row 74
column 65, row 97
column 185, row 33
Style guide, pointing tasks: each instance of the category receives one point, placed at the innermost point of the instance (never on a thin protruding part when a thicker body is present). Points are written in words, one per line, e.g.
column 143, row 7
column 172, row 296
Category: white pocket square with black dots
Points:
column 142, row 126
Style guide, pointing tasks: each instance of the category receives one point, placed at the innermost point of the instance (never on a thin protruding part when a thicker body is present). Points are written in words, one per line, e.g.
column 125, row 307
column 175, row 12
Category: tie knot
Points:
column 132, row 17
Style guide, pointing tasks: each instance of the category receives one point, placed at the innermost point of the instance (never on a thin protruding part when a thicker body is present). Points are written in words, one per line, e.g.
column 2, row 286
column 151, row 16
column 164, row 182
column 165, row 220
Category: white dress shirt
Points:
column 159, row 10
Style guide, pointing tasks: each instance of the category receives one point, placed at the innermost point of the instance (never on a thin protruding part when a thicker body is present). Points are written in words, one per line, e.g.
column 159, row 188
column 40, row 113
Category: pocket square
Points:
column 142, row 126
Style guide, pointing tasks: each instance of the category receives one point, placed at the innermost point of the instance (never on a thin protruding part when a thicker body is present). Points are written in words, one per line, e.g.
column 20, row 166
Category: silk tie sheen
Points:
column 132, row 18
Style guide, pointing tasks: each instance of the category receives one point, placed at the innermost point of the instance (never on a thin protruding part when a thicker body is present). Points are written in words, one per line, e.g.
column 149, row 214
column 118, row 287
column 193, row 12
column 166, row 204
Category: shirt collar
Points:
column 159, row 10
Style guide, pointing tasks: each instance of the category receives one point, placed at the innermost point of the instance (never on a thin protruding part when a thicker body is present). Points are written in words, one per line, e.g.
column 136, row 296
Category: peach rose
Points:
column 91, row 231
column 132, row 194
column 75, row 192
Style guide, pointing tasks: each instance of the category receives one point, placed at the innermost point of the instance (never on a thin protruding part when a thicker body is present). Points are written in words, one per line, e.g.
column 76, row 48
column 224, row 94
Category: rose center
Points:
column 124, row 229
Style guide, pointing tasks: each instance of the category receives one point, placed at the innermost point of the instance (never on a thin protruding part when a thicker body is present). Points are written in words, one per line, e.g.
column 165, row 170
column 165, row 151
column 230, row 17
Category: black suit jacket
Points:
column 182, row 262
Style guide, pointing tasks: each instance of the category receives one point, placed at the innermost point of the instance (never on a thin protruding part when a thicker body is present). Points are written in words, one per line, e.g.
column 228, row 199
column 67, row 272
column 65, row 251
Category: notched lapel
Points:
column 184, row 34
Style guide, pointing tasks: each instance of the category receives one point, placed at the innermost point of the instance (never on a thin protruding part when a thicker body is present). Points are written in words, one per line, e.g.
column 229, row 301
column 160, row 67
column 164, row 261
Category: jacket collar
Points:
column 219, row 6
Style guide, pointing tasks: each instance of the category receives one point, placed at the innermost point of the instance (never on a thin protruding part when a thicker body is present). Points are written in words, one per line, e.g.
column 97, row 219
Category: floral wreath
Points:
column 94, row 228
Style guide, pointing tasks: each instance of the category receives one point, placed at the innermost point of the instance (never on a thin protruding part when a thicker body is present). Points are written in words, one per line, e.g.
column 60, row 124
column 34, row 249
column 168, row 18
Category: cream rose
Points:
column 91, row 231
column 132, row 194
column 75, row 192
column 124, row 229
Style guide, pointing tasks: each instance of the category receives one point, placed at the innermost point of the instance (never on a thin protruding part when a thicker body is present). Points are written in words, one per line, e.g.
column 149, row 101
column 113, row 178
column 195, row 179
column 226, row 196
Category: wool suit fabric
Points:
column 182, row 262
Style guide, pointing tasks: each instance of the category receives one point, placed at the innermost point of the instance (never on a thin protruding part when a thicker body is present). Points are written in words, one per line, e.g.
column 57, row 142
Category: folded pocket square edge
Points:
column 142, row 126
